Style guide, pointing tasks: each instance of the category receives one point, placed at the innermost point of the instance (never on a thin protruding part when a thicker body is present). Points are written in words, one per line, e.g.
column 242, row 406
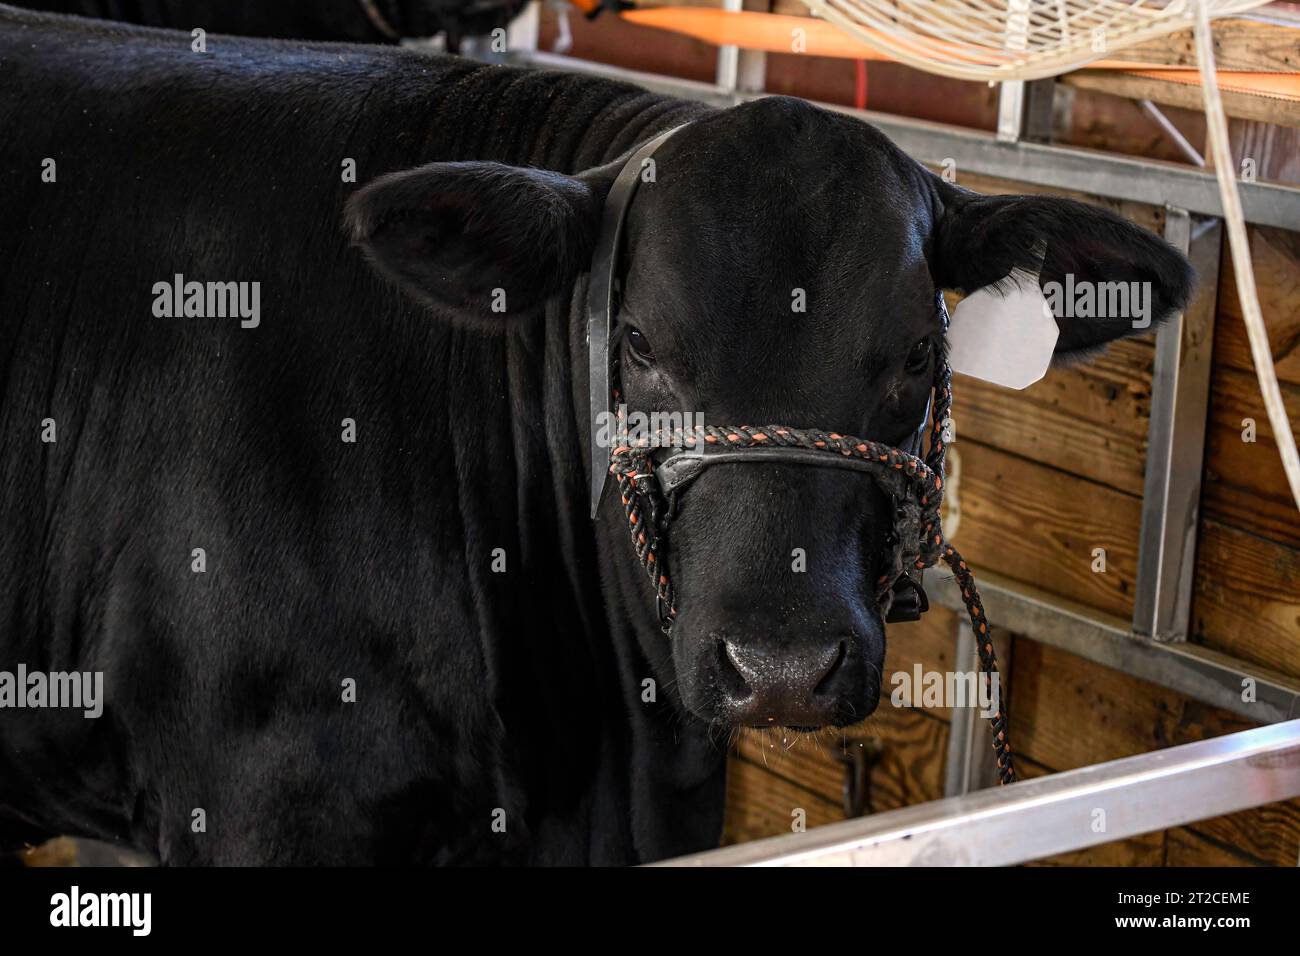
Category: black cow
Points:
column 352, row 21
column 442, row 564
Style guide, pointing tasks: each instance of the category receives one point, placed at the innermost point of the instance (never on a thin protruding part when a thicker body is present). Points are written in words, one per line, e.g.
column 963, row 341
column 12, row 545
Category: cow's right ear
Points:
column 479, row 241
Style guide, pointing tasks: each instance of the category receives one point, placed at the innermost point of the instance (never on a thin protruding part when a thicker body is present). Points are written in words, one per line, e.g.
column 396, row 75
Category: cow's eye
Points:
column 640, row 344
column 919, row 358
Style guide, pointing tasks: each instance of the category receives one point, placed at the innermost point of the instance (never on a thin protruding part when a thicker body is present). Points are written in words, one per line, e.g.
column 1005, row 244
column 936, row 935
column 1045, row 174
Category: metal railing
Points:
column 1049, row 815
column 1154, row 182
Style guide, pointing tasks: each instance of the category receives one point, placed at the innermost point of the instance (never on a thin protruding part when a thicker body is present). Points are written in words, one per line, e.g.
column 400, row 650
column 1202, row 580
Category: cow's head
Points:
column 782, row 267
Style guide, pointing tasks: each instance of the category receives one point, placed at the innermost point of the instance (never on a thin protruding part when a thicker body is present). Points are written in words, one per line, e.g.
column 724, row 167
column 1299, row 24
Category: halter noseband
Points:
column 650, row 483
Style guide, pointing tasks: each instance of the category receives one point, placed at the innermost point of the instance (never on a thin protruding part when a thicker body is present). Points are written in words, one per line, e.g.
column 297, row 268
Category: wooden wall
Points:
column 1047, row 475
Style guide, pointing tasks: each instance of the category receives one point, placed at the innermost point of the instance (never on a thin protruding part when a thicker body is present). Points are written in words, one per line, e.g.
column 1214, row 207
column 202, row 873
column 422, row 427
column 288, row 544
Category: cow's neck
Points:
column 570, row 683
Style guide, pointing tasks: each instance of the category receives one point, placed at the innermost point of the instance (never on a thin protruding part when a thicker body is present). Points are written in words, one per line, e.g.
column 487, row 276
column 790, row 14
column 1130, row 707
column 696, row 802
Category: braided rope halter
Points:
column 649, row 488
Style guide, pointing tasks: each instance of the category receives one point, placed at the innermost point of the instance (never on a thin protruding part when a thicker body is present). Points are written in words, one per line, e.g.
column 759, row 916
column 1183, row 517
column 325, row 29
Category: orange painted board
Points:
column 781, row 33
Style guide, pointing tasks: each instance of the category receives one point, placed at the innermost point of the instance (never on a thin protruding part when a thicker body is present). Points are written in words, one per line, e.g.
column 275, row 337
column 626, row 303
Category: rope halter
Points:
column 650, row 484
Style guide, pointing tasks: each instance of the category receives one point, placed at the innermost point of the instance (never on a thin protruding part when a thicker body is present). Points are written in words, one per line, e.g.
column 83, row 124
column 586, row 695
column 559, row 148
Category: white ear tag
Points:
column 1003, row 333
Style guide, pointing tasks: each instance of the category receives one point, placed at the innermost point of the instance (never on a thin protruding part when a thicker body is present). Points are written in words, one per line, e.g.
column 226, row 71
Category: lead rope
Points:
column 633, row 468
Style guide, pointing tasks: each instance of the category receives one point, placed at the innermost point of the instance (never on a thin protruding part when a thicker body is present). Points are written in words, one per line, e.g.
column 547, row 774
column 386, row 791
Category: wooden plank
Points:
column 1236, row 103
column 1035, row 524
column 910, row 769
column 1269, row 834
column 1184, row 847
column 1145, row 850
column 1090, row 420
column 1246, row 599
column 1245, row 486
column 1068, row 712
column 1276, row 258
column 1273, row 150
column 1249, row 45
column 761, row 804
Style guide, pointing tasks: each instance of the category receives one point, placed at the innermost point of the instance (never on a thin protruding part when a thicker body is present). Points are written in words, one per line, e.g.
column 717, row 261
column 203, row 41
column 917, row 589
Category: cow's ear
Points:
column 981, row 239
column 480, row 241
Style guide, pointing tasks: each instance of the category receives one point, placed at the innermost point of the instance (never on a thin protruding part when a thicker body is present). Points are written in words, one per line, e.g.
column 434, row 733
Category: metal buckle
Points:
column 909, row 603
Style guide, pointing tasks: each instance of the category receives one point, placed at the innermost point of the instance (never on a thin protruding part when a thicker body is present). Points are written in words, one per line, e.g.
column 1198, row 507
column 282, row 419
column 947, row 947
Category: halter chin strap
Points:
column 650, row 482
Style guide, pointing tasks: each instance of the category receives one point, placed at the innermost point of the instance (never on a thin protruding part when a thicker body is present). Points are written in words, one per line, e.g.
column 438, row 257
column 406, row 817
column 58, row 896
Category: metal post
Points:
column 1201, row 673
column 523, row 30
column 1025, row 111
column 1040, row 105
column 970, row 763
column 1011, row 110
column 729, row 56
column 751, row 65
column 1180, row 393
column 751, row 71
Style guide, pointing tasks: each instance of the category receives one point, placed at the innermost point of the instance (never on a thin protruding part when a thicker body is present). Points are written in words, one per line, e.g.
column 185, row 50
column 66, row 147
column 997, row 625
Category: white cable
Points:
column 1239, row 244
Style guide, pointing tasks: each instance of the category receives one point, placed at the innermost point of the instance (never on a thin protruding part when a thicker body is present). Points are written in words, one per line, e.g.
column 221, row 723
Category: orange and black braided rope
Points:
column 633, row 468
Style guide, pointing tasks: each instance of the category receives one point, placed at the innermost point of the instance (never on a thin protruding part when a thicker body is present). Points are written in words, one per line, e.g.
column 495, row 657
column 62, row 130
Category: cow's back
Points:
column 322, row 560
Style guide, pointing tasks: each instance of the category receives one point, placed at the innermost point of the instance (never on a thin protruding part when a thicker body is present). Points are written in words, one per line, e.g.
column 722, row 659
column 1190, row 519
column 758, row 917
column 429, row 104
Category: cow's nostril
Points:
column 769, row 669
column 731, row 677
column 805, row 681
column 832, row 670
column 735, row 658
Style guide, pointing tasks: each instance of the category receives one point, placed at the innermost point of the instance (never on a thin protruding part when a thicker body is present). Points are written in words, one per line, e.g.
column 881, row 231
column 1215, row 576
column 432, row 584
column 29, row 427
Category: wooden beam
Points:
column 1239, row 105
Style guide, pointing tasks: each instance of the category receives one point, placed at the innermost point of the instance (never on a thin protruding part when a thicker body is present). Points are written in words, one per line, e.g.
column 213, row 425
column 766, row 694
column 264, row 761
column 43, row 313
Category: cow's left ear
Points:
column 980, row 239
column 480, row 241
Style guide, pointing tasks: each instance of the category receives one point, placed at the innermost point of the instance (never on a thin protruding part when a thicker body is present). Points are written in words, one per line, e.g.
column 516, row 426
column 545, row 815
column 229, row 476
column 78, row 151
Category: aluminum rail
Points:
column 1049, row 815
column 1256, row 693
column 1135, row 179
column 1180, row 408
